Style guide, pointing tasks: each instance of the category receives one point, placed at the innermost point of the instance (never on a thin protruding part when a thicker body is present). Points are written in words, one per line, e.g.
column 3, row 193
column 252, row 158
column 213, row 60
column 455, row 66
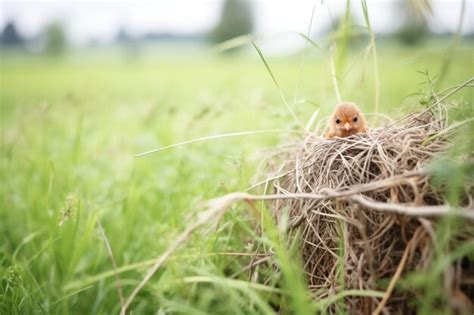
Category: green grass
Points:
column 70, row 131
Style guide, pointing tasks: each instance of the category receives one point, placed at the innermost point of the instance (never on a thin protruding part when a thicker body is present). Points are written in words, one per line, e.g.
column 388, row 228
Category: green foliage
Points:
column 10, row 36
column 55, row 38
column 12, row 276
column 236, row 20
column 415, row 27
column 454, row 170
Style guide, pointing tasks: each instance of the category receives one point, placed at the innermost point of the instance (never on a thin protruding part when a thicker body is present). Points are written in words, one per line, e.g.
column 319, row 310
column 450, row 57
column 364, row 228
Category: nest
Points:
column 368, row 185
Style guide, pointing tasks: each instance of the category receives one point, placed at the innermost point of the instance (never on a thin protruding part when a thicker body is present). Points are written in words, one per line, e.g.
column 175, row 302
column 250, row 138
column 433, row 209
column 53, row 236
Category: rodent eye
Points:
column 355, row 119
column 337, row 120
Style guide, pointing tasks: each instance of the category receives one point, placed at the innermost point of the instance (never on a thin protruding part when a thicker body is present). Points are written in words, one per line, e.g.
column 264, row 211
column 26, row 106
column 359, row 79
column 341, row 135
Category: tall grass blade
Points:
column 233, row 43
column 277, row 85
column 448, row 57
column 373, row 47
column 225, row 135
column 303, row 55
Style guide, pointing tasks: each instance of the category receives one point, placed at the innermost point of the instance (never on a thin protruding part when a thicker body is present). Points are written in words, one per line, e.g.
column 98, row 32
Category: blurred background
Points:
column 189, row 27
column 86, row 85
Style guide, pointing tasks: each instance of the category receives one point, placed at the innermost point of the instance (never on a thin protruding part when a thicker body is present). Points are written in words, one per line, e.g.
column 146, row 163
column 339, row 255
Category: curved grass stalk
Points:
column 303, row 55
column 292, row 113
column 452, row 47
column 225, row 135
column 374, row 56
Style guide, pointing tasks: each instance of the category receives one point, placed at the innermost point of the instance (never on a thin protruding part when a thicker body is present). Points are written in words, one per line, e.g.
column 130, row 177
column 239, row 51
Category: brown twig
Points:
column 391, row 286
column 426, row 211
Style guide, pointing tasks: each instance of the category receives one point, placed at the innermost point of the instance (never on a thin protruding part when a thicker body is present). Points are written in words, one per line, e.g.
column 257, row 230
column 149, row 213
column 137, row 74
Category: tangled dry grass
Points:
column 373, row 218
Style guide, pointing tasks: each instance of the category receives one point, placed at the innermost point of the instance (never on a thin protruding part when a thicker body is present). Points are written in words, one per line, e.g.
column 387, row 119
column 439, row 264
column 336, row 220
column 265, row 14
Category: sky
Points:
column 278, row 19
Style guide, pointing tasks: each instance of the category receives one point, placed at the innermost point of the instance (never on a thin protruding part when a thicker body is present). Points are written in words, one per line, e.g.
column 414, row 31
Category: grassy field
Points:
column 70, row 130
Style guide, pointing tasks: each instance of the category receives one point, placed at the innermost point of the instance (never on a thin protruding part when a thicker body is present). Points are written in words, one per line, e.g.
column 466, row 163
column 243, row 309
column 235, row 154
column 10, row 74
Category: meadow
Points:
column 70, row 132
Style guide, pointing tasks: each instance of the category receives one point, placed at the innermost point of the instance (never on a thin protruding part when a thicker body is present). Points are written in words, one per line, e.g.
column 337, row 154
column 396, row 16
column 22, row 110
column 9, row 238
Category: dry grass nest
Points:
column 368, row 200
column 366, row 212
